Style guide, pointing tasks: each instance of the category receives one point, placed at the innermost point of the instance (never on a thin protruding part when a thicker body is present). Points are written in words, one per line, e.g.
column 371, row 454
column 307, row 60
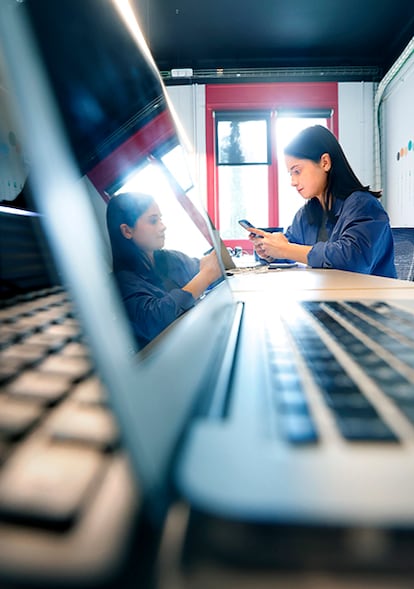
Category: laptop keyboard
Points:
column 68, row 503
column 358, row 356
column 67, row 500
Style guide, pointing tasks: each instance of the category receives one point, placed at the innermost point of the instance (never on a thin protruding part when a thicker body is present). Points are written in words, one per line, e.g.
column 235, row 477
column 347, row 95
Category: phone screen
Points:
column 246, row 224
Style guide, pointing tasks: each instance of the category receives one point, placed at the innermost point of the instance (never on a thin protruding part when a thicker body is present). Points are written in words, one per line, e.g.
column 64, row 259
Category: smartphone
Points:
column 247, row 225
column 276, row 265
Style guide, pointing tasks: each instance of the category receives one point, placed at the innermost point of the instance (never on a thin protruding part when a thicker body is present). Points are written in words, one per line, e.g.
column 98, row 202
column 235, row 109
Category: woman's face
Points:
column 148, row 233
column 308, row 177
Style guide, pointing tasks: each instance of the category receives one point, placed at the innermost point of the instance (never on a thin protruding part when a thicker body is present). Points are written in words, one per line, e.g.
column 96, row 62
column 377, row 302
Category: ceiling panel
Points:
column 212, row 34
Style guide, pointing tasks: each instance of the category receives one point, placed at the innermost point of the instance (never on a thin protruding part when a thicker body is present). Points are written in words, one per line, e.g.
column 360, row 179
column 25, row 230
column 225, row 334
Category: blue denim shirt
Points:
column 153, row 303
column 359, row 241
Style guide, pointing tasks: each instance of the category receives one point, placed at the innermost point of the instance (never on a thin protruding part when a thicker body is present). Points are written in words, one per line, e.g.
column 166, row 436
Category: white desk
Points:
column 294, row 283
column 302, row 282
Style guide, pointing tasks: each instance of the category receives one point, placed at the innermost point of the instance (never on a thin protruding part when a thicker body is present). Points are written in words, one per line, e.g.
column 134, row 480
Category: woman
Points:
column 156, row 285
column 343, row 225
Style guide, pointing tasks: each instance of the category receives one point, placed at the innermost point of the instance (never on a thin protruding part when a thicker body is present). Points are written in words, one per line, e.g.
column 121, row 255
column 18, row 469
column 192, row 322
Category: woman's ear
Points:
column 126, row 231
column 326, row 162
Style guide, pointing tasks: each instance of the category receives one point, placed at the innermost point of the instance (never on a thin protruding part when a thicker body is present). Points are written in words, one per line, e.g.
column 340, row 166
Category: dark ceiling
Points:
column 362, row 37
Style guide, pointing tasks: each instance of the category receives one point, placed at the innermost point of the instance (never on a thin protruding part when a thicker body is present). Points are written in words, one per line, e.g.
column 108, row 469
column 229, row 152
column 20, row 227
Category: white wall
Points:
column 356, row 127
column 397, row 141
column 189, row 103
column 13, row 163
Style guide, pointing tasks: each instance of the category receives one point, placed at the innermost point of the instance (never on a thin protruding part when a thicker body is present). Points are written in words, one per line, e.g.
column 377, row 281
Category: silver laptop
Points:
column 292, row 425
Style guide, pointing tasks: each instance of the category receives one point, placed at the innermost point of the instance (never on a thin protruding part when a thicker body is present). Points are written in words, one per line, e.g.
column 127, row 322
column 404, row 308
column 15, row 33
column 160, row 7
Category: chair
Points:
column 404, row 252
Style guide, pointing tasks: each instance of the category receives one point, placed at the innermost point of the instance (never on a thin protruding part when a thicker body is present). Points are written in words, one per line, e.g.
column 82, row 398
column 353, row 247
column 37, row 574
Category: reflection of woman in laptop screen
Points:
column 343, row 225
column 156, row 285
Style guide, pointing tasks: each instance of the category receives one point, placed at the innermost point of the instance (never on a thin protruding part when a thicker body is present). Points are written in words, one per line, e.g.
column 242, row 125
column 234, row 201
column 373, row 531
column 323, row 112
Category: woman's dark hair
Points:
column 311, row 144
column 127, row 207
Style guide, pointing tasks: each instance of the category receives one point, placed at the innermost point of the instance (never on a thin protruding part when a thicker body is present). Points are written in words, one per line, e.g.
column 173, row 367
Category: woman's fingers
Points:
column 254, row 233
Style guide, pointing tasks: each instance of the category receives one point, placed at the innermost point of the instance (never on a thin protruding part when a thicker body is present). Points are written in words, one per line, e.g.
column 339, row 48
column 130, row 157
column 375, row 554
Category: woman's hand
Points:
column 209, row 272
column 275, row 245
column 269, row 245
column 210, row 267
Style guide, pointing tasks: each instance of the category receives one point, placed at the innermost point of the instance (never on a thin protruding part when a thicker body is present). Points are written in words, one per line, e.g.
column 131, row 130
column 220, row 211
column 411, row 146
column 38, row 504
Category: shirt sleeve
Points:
column 360, row 238
column 300, row 231
column 151, row 308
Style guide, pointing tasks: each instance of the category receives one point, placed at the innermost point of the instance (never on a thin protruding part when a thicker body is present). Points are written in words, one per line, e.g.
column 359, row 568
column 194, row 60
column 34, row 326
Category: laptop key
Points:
column 361, row 429
column 296, row 421
column 90, row 391
column 9, row 368
column 299, row 428
column 17, row 417
column 91, row 425
column 71, row 367
column 46, row 387
column 29, row 353
column 48, row 483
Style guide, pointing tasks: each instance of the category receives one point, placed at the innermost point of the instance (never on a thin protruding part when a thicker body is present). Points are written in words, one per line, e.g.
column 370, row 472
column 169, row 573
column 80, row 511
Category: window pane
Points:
column 242, row 142
column 181, row 234
column 243, row 195
column 176, row 163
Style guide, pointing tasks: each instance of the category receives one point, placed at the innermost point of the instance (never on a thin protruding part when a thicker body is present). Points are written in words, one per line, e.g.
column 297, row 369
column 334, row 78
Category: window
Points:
column 247, row 127
column 243, row 157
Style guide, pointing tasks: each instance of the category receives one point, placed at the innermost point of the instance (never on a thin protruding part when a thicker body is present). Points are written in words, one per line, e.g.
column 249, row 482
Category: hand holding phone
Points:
column 248, row 226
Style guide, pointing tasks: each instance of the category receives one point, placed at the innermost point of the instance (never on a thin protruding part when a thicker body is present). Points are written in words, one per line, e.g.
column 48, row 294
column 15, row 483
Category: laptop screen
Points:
column 100, row 108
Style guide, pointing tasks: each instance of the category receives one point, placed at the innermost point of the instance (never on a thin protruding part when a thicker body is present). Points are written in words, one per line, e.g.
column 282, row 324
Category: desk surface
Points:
column 309, row 283
column 298, row 283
